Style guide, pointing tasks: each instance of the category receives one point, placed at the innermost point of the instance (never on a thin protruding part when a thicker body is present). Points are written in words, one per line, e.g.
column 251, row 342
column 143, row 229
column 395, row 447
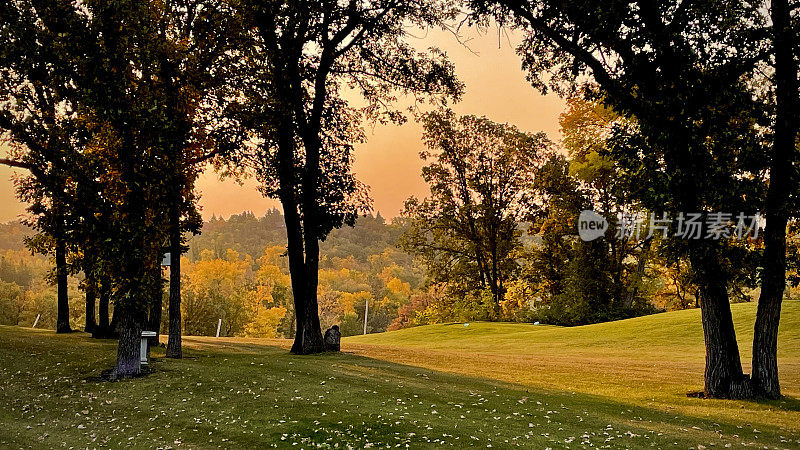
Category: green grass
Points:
column 245, row 393
column 652, row 361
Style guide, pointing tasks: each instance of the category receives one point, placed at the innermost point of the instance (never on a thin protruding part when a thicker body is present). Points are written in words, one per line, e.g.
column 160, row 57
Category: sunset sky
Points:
column 389, row 162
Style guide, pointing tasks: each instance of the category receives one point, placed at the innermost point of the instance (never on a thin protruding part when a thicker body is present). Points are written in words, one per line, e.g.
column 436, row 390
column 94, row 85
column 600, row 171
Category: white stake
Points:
column 219, row 325
column 36, row 321
column 366, row 311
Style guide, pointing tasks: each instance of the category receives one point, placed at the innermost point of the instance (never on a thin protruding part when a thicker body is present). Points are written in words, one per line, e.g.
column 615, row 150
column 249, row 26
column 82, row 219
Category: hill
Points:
column 653, row 360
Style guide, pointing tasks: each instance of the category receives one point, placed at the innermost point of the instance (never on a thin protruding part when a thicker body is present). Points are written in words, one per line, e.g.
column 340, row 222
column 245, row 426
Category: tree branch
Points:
column 17, row 164
column 599, row 72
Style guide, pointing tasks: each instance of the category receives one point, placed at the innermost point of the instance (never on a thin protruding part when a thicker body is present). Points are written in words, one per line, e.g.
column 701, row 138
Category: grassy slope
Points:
column 652, row 361
column 250, row 393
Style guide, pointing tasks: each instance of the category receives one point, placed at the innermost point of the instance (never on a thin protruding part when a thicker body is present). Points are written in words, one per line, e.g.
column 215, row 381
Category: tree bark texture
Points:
column 723, row 377
column 103, row 328
column 91, row 301
column 765, row 338
column 62, row 322
column 174, row 346
column 128, row 349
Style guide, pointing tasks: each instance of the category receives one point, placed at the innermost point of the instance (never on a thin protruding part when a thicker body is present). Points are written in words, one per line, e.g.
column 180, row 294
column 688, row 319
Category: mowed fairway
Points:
column 618, row 385
column 650, row 361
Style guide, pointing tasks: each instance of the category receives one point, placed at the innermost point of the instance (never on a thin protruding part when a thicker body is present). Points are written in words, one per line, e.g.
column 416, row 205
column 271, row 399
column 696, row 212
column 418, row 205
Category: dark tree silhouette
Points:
column 37, row 117
column 672, row 67
column 191, row 61
column 301, row 56
column 782, row 186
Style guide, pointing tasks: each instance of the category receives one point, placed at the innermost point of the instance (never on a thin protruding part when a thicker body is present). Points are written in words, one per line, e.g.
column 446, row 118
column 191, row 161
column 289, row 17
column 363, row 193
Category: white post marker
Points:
column 143, row 347
column 219, row 325
column 36, row 321
column 366, row 311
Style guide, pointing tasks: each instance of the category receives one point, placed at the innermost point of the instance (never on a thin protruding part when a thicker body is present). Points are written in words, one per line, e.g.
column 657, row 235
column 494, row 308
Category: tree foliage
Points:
column 301, row 59
column 684, row 70
column 467, row 231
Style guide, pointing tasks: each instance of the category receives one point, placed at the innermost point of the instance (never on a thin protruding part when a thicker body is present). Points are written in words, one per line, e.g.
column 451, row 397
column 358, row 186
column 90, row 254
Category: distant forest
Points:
column 236, row 270
column 358, row 265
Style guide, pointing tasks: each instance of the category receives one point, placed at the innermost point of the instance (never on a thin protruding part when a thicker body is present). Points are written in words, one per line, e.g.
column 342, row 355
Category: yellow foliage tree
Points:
column 265, row 321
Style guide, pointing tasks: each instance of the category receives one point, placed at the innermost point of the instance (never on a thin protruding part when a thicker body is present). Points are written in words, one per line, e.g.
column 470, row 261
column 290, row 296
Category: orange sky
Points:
column 389, row 162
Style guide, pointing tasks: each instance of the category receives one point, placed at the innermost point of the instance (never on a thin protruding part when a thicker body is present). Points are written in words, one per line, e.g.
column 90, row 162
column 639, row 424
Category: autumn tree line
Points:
column 113, row 107
column 237, row 271
column 221, row 279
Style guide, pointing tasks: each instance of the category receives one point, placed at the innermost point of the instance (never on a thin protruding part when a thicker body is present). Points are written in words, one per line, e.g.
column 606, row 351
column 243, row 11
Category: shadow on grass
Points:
column 603, row 407
column 785, row 403
column 368, row 373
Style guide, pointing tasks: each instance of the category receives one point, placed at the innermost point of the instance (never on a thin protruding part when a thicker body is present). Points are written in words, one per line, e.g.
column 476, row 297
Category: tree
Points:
column 69, row 66
column 104, row 327
column 190, row 65
column 41, row 125
column 146, row 107
column 562, row 202
column 588, row 129
column 784, row 40
column 90, row 287
column 137, row 123
column 11, row 303
column 265, row 321
column 481, row 183
column 301, row 59
column 219, row 289
column 681, row 69
column 575, row 282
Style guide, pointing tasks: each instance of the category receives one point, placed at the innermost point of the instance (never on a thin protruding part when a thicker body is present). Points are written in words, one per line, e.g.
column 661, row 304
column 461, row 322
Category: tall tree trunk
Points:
column 310, row 329
column 495, row 276
column 133, row 299
column 723, row 377
column 296, row 271
column 174, row 346
column 302, row 247
column 294, row 236
column 773, row 282
column 62, row 322
column 154, row 318
column 641, row 263
column 128, row 348
column 91, row 300
column 103, row 328
column 723, row 372
column 113, row 327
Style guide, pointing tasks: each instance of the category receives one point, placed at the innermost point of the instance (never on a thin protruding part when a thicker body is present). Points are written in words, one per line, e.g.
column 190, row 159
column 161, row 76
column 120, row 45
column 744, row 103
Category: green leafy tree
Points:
column 562, row 202
column 41, row 124
column 481, row 183
column 587, row 128
column 12, row 303
column 681, row 69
